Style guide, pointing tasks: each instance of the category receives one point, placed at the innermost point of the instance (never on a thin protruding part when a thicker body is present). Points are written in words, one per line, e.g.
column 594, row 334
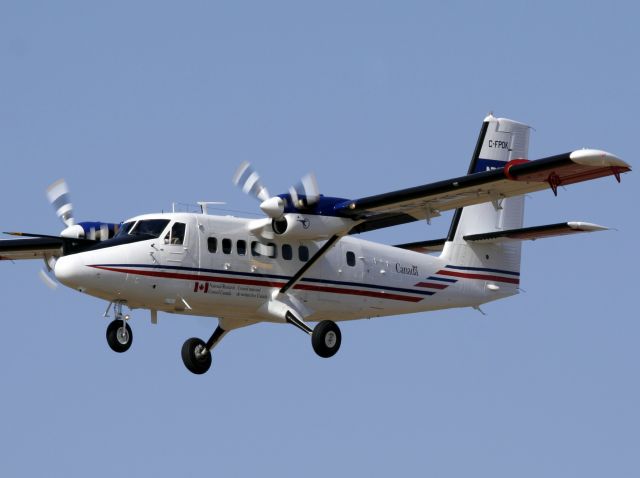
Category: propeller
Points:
column 46, row 273
column 58, row 195
column 248, row 180
column 75, row 237
column 304, row 194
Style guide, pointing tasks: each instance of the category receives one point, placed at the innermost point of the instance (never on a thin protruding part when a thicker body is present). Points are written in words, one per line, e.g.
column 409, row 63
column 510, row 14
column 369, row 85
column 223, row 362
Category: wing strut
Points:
column 321, row 252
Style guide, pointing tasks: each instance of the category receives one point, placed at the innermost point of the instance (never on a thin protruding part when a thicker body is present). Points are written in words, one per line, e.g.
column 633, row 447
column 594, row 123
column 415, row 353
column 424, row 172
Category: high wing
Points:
column 37, row 248
column 516, row 178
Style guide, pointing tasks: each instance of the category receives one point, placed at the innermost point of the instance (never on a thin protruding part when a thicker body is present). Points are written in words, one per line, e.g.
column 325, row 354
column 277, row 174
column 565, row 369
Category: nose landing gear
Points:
column 119, row 334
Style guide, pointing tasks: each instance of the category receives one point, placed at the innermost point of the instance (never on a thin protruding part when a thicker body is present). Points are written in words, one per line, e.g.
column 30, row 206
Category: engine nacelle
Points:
column 302, row 226
column 95, row 231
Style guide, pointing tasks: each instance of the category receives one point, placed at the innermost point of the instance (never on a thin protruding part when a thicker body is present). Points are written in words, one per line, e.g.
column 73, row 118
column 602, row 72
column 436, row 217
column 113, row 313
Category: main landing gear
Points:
column 325, row 339
column 196, row 354
column 119, row 334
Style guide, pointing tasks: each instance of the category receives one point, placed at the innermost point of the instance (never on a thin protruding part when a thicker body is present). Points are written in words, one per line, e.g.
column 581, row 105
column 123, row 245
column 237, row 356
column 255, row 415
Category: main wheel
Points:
column 119, row 337
column 326, row 338
column 195, row 356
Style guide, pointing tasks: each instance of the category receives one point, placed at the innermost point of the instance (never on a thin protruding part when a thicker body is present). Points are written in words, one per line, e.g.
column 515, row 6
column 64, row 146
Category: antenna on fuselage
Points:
column 203, row 205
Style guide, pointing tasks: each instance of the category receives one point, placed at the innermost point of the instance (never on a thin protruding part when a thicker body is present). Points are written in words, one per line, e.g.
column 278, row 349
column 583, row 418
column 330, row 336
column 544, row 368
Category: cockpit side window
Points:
column 125, row 228
column 176, row 235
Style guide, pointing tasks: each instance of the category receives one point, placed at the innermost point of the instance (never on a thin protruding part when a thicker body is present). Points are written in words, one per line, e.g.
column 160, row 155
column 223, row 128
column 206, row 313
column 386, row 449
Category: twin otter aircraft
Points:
column 301, row 263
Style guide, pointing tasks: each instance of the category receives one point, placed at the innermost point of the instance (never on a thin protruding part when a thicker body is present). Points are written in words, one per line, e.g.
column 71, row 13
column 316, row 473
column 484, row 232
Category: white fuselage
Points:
column 219, row 268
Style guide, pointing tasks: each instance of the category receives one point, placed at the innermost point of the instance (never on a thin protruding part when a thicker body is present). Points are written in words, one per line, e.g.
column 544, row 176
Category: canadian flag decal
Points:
column 201, row 287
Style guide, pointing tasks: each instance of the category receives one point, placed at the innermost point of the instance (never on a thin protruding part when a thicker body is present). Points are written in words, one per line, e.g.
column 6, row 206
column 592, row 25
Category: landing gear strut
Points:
column 325, row 337
column 196, row 354
column 119, row 334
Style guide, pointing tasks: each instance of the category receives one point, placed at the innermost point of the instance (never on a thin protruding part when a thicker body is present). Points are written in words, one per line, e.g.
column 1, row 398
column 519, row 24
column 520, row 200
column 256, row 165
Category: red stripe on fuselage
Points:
column 431, row 285
column 466, row 275
column 261, row 283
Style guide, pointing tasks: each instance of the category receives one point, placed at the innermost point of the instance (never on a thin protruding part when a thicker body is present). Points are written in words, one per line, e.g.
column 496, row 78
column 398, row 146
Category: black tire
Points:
column 195, row 361
column 119, row 338
column 326, row 338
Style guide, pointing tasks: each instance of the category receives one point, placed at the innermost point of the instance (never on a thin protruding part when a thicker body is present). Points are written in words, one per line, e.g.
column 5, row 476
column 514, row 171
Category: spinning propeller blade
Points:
column 58, row 195
column 104, row 232
column 48, row 280
column 249, row 181
column 304, row 194
column 46, row 273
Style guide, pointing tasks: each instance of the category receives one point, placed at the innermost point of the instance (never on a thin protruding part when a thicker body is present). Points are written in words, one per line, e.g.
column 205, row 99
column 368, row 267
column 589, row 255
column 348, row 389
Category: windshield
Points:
column 146, row 227
column 124, row 229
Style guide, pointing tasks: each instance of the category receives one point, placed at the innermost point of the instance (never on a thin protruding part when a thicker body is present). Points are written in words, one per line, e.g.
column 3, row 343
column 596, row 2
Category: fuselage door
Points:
column 180, row 244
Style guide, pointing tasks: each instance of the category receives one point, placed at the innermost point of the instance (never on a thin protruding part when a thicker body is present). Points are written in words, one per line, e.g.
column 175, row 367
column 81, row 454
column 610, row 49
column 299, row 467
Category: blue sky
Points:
column 138, row 104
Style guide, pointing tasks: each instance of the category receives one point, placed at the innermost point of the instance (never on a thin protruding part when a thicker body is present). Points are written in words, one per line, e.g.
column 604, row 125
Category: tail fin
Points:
column 500, row 140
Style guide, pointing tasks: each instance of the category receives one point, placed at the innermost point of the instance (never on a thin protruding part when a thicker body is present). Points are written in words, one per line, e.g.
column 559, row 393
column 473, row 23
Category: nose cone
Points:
column 68, row 270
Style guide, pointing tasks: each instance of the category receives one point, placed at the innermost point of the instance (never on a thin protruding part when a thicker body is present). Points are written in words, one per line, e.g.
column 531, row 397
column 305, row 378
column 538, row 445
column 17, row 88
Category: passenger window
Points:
column 258, row 249
column 303, row 253
column 176, row 234
column 287, row 252
column 241, row 247
column 351, row 259
column 212, row 244
column 226, row 246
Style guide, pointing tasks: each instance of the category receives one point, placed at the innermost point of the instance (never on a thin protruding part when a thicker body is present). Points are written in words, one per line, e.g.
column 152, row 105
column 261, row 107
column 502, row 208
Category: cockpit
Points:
column 151, row 228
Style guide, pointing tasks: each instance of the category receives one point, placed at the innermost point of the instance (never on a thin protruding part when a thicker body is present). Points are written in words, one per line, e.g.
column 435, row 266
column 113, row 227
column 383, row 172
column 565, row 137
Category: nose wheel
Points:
column 119, row 334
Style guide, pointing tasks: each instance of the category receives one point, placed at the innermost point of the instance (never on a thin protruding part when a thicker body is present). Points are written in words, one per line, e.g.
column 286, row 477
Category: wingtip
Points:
column 586, row 226
column 596, row 157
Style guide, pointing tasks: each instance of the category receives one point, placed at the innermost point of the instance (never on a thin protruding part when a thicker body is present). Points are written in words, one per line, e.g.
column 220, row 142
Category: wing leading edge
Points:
column 516, row 178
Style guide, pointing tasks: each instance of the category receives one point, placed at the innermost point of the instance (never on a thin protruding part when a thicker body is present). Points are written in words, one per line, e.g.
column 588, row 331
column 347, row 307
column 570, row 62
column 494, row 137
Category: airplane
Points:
column 301, row 263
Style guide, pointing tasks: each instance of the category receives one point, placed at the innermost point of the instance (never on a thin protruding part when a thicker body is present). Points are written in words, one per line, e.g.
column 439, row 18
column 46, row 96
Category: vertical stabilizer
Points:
column 500, row 140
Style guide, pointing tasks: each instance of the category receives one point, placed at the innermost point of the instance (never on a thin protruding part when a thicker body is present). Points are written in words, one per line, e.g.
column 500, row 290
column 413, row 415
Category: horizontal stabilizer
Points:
column 425, row 247
column 522, row 234
column 536, row 232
